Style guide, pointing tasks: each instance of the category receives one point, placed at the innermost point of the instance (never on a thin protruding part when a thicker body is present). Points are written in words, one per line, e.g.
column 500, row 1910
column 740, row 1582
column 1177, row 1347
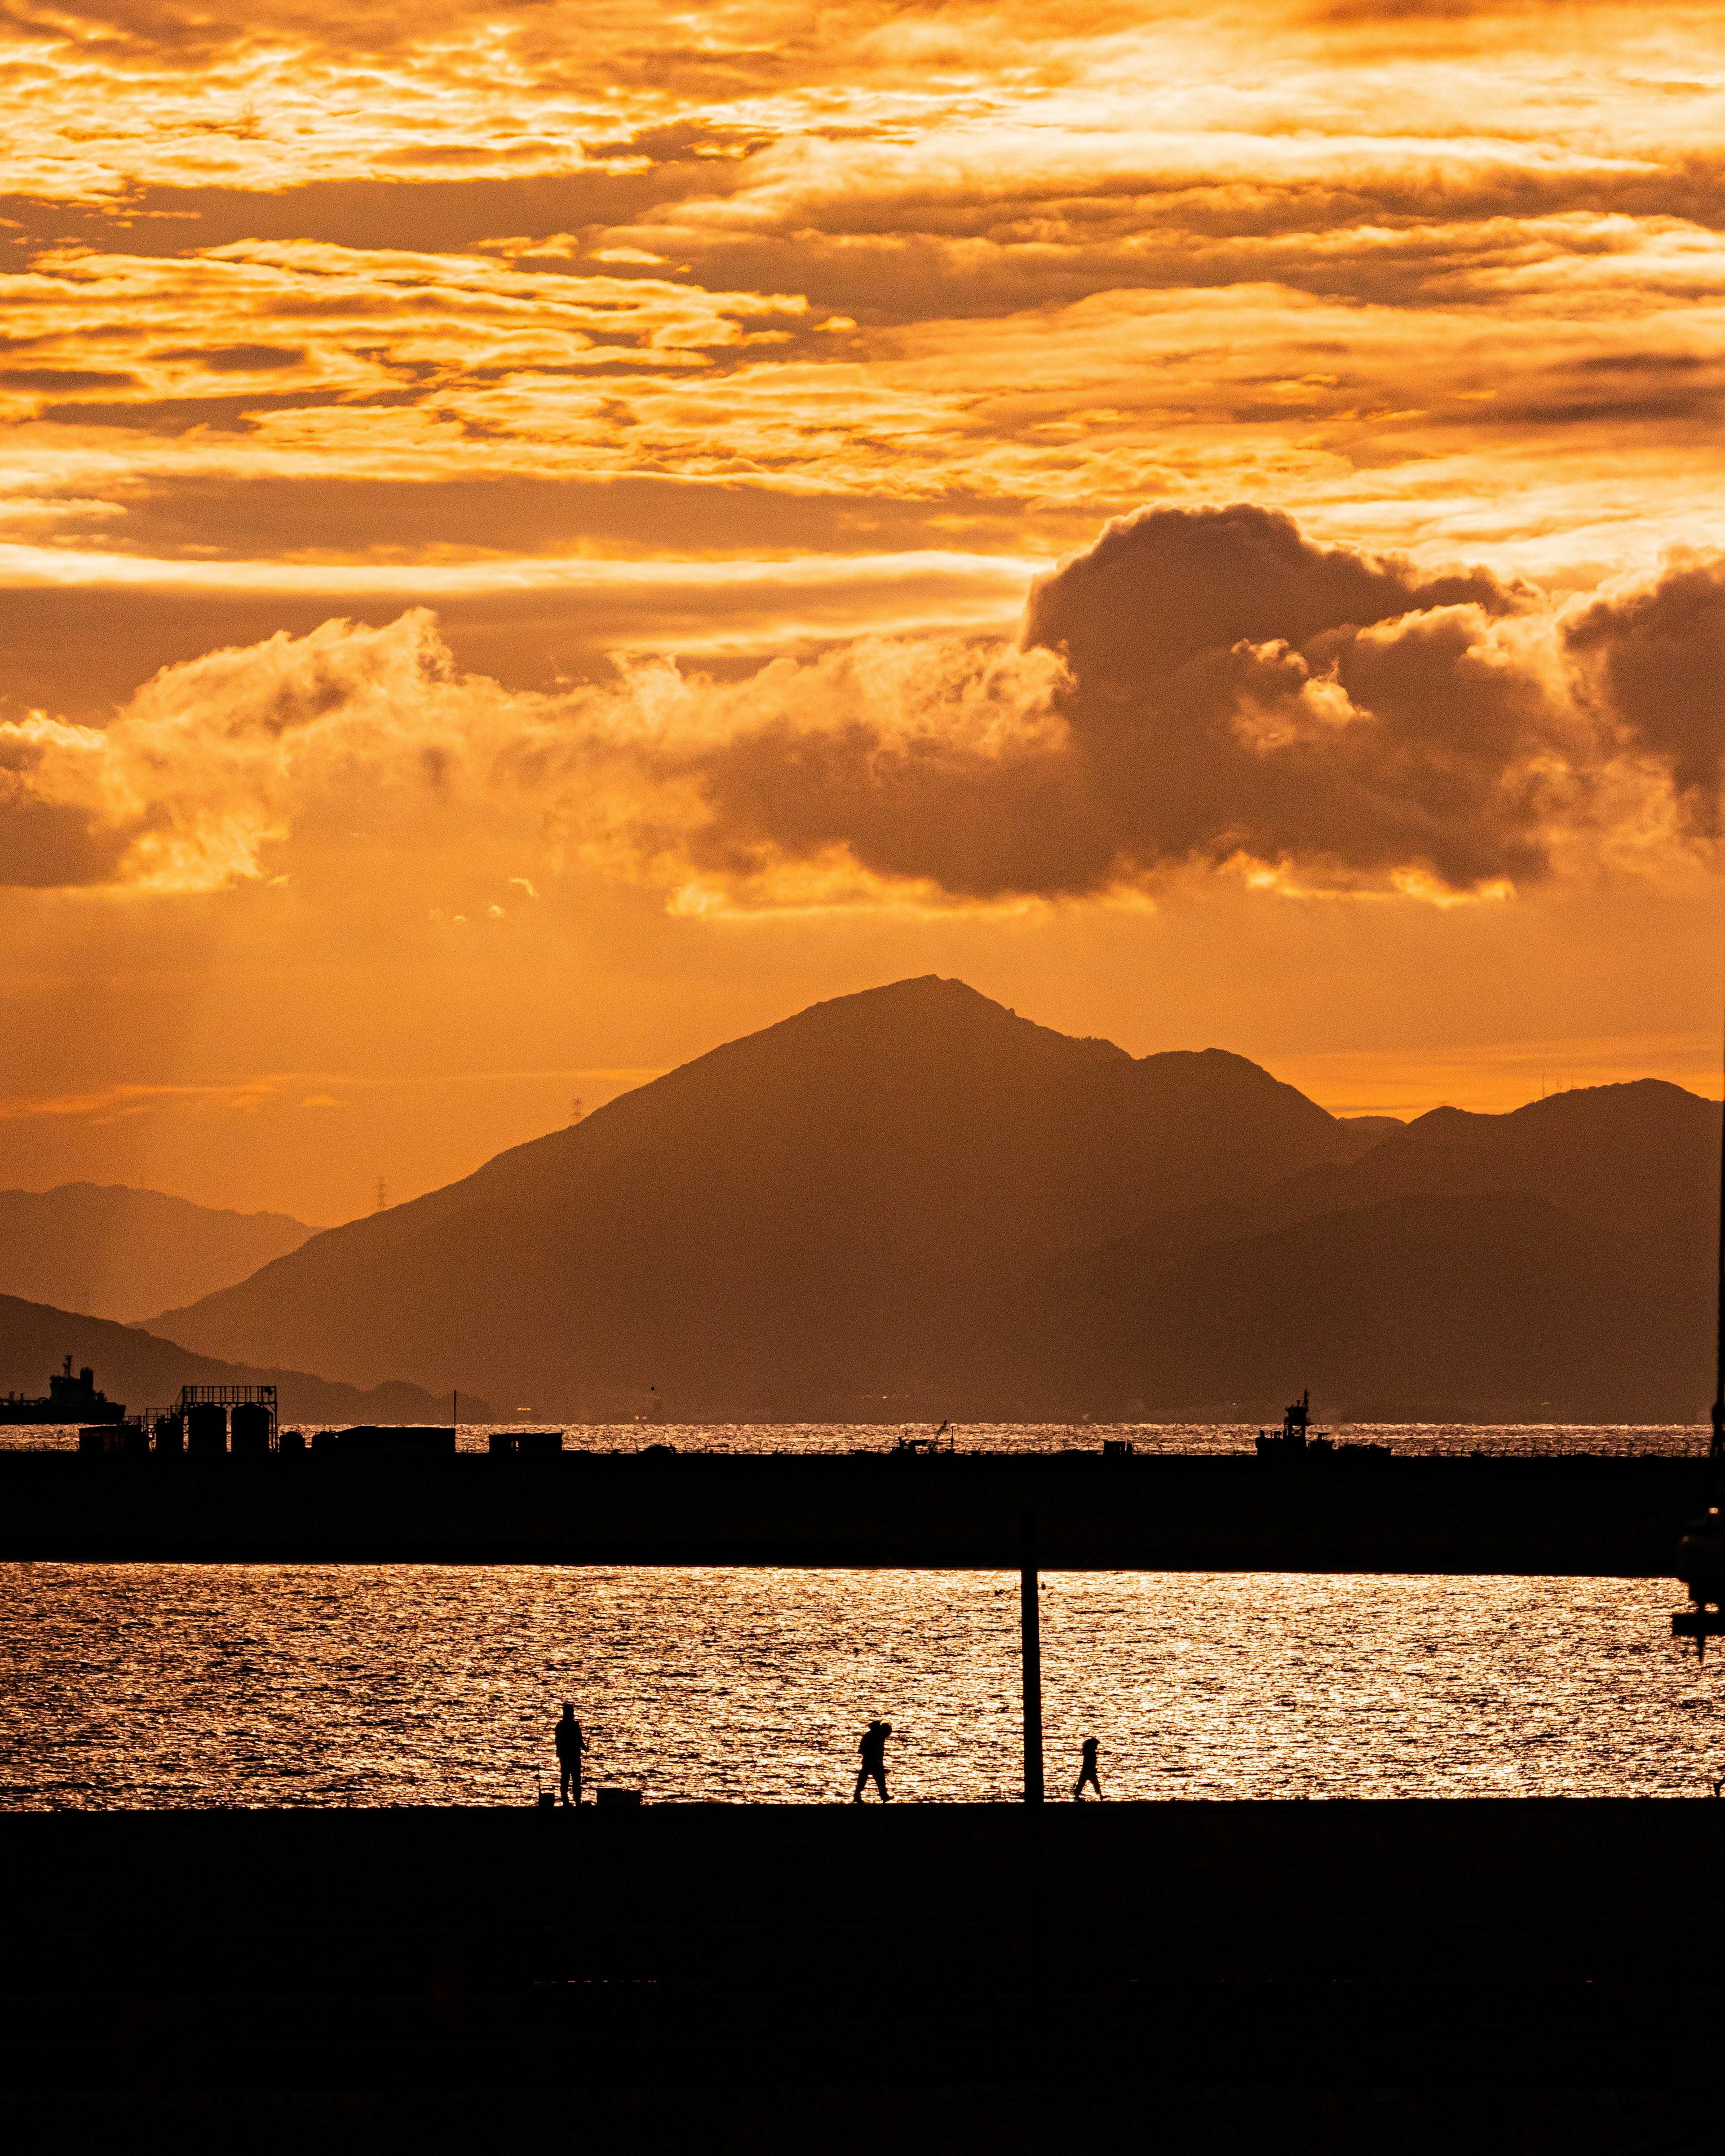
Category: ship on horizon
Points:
column 1298, row 1440
column 69, row 1399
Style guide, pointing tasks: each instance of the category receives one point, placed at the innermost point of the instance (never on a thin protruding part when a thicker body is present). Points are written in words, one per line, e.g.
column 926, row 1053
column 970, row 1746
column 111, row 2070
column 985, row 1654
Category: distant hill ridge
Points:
column 144, row 1371
column 913, row 1201
column 120, row 1253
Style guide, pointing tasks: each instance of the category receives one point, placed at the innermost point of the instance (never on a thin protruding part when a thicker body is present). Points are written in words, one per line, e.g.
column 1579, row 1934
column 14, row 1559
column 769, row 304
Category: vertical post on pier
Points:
column 1030, row 1636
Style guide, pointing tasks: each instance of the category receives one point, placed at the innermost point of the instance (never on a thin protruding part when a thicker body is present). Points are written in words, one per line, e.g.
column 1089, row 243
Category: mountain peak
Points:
column 786, row 1219
column 860, row 1207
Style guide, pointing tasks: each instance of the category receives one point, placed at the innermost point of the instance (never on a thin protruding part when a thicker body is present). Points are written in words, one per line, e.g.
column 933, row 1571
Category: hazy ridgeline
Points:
column 112, row 1252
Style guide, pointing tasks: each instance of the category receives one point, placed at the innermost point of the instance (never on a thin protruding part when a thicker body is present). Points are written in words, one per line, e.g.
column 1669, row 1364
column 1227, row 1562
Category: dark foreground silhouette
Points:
column 1224, row 1978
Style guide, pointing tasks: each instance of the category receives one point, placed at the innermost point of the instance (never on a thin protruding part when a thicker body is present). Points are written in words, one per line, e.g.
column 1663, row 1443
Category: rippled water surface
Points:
column 178, row 1685
column 1426, row 1437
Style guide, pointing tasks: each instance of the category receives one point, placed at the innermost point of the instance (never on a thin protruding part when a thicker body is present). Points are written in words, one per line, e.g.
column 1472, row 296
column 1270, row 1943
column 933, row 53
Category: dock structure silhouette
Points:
column 389, row 1497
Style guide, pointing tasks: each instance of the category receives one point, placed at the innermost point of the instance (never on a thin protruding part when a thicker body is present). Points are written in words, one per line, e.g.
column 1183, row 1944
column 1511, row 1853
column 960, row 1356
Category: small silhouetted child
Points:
column 571, row 1745
column 873, row 1749
column 1087, row 1772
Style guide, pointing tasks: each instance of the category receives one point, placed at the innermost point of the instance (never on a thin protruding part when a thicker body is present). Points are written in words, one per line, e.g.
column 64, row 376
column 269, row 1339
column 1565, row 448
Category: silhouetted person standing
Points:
column 1087, row 1772
column 571, row 1745
column 873, row 1749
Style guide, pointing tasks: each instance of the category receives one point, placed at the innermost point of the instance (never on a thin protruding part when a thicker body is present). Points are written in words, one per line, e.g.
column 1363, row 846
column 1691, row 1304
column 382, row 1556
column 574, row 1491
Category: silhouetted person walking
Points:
column 571, row 1745
column 873, row 1749
column 1087, row 1772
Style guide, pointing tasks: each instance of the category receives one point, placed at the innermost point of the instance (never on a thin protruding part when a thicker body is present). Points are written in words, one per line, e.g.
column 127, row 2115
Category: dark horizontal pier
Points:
column 1215, row 1978
column 1074, row 1511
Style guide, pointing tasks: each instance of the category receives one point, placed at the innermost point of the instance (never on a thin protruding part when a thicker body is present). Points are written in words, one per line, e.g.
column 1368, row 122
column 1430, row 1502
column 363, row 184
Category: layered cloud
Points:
column 981, row 274
column 1199, row 690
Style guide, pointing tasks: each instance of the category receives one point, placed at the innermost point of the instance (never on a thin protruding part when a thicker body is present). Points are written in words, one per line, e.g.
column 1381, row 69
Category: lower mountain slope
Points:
column 1477, row 1307
column 1559, row 1261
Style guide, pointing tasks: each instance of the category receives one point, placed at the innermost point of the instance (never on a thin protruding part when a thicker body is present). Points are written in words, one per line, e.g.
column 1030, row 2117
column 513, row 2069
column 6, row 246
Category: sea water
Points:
column 170, row 1685
column 180, row 1685
column 1417, row 1437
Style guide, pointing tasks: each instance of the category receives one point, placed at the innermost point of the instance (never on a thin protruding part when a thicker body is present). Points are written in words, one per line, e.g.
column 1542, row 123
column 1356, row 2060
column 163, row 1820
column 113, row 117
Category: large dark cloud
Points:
column 1234, row 690
column 1161, row 588
column 1658, row 659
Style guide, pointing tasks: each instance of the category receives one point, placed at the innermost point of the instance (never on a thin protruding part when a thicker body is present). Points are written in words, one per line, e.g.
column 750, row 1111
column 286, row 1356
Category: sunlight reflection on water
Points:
column 179, row 1685
column 1689, row 1440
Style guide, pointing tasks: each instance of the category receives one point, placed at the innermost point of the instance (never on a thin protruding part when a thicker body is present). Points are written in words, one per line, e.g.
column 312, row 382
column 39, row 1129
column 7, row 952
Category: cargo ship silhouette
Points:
column 69, row 1399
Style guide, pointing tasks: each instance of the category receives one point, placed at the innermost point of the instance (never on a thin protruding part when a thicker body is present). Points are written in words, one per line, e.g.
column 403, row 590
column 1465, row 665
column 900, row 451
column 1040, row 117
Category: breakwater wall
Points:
column 1076, row 1510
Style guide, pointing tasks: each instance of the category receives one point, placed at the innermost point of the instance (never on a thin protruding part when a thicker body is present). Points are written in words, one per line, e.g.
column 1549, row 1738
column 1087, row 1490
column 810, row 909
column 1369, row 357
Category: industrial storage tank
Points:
column 170, row 1433
column 206, row 1427
column 251, row 1427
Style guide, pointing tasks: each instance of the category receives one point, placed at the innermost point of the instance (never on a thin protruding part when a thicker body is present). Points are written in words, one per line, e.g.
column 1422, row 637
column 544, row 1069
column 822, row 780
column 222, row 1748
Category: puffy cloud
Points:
column 212, row 761
column 57, row 827
column 1200, row 689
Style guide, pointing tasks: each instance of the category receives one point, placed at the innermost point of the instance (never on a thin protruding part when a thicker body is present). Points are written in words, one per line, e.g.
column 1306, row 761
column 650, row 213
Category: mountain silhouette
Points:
column 120, row 1253
column 144, row 1371
column 814, row 1219
column 913, row 1201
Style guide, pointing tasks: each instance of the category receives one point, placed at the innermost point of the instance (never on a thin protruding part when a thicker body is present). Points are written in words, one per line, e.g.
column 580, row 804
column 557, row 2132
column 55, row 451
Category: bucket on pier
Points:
column 524, row 1443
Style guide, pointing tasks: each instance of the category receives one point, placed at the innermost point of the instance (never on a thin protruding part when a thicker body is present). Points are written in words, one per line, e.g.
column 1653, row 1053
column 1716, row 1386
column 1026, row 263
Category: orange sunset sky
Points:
column 536, row 538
